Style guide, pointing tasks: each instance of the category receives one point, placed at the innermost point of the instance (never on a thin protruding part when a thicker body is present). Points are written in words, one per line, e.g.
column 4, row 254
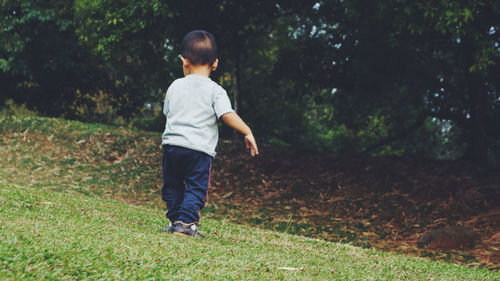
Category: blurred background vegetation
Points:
column 398, row 77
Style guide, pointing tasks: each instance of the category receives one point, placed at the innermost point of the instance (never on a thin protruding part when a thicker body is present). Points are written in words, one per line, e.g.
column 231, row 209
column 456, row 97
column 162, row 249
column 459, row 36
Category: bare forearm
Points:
column 234, row 121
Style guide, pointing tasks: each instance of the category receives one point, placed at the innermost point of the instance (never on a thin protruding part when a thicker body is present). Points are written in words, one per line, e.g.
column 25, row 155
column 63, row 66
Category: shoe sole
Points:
column 180, row 234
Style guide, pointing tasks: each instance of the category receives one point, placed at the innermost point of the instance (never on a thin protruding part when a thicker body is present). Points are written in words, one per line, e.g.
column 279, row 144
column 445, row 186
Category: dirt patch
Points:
column 382, row 202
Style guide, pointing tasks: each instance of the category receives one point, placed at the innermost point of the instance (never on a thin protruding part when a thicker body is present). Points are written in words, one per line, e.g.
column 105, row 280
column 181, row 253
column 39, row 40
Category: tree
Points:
column 408, row 60
column 41, row 61
column 128, row 42
column 462, row 41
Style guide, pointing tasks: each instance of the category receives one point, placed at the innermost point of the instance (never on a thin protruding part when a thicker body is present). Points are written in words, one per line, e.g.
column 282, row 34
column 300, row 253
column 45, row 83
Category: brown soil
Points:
column 382, row 202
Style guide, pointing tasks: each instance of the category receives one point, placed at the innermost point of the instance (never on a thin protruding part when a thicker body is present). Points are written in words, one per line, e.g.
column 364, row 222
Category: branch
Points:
column 449, row 116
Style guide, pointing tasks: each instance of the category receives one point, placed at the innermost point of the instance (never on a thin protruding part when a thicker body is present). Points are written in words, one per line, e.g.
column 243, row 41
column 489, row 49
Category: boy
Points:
column 192, row 105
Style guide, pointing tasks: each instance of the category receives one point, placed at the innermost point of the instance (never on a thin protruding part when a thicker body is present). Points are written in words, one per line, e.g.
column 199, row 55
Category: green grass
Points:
column 57, row 221
column 65, row 235
column 91, row 158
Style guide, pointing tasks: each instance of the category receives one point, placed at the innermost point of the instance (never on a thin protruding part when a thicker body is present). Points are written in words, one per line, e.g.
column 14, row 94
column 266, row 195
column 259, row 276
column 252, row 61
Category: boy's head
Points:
column 199, row 48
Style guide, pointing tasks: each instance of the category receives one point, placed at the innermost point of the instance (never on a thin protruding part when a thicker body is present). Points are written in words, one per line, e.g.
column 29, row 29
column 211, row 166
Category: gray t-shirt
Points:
column 192, row 106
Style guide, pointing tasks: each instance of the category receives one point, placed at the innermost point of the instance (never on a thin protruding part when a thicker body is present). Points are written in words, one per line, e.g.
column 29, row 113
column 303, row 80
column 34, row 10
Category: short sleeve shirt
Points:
column 192, row 106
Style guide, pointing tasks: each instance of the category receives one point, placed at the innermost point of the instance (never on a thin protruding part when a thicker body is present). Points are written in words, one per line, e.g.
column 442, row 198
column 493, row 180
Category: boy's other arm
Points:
column 234, row 121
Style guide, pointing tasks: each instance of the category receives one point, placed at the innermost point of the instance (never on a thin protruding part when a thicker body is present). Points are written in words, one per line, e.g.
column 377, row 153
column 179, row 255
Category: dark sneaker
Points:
column 170, row 228
column 186, row 229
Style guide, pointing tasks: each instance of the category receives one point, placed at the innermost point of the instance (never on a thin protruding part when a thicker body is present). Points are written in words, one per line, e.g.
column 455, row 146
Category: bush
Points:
column 11, row 108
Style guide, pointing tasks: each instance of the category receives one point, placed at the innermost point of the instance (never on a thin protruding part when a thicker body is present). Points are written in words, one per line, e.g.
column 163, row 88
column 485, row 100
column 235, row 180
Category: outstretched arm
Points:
column 234, row 121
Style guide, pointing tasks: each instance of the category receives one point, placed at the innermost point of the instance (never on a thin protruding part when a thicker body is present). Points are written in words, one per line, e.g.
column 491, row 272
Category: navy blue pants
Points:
column 186, row 175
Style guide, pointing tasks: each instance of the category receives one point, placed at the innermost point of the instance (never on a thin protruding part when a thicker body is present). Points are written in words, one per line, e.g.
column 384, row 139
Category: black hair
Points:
column 198, row 46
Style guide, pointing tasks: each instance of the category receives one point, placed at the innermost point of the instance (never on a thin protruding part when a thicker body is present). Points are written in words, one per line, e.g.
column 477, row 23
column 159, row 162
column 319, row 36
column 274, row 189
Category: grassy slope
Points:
column 90, row 158
column 56, row 235
column 48, row 230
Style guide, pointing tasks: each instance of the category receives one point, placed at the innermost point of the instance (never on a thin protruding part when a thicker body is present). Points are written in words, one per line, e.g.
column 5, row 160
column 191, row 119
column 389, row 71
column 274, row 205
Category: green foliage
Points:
column 408, row 60
column 41, row 60
column 320, row 133
column 128, row 40
column 154, row 121
column 11, row 108
column 437, row 139
column 339, row 75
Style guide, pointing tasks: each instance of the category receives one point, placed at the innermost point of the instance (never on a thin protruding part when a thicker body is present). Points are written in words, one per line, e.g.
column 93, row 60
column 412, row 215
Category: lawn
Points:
column 65, row 235
column 66, row 212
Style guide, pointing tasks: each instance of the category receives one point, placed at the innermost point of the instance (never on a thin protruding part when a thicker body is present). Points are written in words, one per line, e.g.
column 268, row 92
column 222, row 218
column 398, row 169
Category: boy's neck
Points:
column 201, row 70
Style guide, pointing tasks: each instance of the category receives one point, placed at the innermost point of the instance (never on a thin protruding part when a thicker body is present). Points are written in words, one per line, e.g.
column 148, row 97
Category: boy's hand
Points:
column 234, row 121
column 251, row 145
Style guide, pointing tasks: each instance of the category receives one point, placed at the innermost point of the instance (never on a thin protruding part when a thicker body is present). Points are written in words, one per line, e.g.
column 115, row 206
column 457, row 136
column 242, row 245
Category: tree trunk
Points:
column 236, row 85
column 236, row 88
column 477, row 150
column 476, row 93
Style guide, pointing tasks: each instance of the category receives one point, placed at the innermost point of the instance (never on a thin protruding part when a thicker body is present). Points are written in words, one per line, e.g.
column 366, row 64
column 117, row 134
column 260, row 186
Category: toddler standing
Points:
column 192, row 106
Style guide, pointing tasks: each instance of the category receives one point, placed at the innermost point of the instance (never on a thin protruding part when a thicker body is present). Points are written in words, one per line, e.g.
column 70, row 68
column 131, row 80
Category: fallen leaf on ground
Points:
column 290, row 268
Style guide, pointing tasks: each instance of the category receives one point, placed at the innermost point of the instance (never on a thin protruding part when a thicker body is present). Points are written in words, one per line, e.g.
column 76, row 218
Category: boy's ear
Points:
column 185, row 62
column 215, row 64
